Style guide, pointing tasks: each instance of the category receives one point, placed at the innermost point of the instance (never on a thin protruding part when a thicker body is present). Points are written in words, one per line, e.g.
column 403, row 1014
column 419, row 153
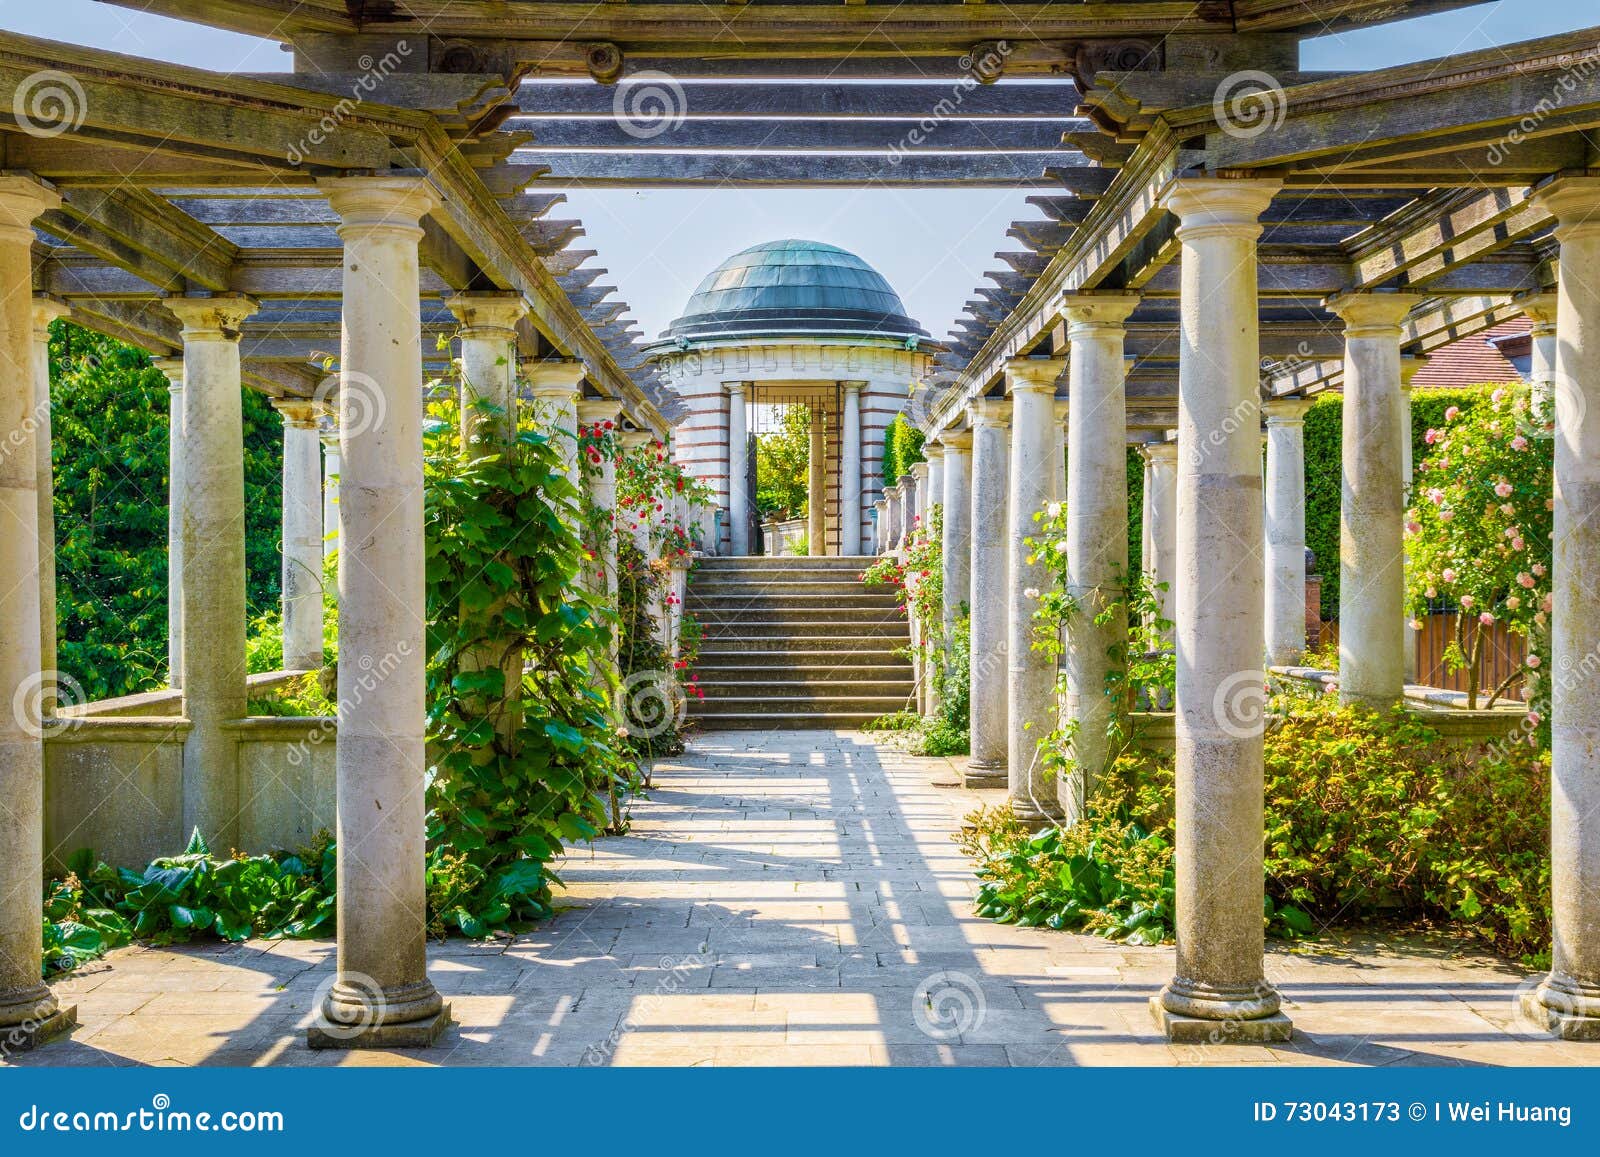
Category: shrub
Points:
column 1366, row 818
column 902, row 448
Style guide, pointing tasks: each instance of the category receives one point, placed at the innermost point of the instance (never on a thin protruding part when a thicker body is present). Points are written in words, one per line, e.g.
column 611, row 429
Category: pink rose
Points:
column 1513, row 602
column 1435, row 496
column 1503, row 489
column 1416, row 624
column 1508, row 509
column 1519, row 443
column 1466, row 602
column 1525, row 580
column 1534, row 660
column 1413, row 527
column 1446, row 515
column 1452, row 413
column 1431, row 437
column 1538, row 569
column 1431, row 593
column 1539, row 617
column 1517, row 544
column 1497, row 397
column 1534, row 718
column 1486, row 619
column 1547, row 604
column 1448, row 575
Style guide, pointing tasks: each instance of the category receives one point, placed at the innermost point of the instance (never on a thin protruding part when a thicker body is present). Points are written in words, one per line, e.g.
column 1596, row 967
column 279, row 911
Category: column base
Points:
column 1194, row 1030
column 1568, row 1008
column 409, row 1034
column 1032, row 816
column 985, row 773
column 30, row 1034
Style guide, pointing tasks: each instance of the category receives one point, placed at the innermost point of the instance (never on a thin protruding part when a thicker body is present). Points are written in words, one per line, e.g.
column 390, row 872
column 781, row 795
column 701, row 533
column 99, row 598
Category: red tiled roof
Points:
column 1472, row 361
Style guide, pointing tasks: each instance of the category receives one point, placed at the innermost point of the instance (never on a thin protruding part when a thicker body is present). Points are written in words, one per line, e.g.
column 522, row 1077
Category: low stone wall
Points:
column 784, row 538
column 115, row 784
column 169, row 702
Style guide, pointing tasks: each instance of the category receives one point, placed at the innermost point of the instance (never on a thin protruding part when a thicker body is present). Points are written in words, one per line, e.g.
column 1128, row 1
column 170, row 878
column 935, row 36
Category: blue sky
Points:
column 933, row 246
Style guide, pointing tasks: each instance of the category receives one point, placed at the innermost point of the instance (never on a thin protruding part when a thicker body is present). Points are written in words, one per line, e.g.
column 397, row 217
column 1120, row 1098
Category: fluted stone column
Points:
column 1569, row 998
column 488, row 338
column 739, row 496
column 302, row 535
column 328, row 434
column 383, row 995
column 1410, row 365
column 851, row 483
column 1160, row 532
column 45, row 310
column 1372, row 593
column 177, row 494
column 555, row 388
column 817, row 482
column 990, row 592
column 1286, row 530
column 214, row 669
column 1031, row 675
column 1218, row 991
column 1097, row 534
column 29, row 1012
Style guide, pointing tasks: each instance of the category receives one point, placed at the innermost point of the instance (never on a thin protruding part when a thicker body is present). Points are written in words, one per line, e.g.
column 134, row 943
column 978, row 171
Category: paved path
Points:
column 795, row 898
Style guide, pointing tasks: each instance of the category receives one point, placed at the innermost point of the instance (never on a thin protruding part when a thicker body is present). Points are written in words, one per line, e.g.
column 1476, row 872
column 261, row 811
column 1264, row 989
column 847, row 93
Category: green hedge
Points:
column 902, row 448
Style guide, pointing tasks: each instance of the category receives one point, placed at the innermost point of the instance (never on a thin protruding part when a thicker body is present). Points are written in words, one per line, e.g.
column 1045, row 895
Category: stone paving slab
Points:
column 795, row 898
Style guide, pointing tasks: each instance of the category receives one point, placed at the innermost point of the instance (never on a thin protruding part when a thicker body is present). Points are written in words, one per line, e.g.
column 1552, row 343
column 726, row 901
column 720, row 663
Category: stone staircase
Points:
column 794, row 643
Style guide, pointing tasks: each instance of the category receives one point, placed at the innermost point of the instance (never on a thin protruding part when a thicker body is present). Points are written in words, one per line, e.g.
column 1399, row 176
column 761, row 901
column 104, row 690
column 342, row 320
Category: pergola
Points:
column 395, row 185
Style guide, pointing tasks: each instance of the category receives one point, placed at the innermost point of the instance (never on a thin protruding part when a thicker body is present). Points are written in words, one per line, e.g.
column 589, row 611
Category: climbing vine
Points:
column 520, row 766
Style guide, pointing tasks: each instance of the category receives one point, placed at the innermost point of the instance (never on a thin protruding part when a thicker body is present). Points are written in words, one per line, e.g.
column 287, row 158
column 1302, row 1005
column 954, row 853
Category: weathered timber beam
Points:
column 812, row 135
column 656, row 170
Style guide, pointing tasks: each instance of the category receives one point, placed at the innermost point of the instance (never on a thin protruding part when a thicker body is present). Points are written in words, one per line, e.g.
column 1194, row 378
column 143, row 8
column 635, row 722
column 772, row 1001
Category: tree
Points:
column 1478, row 533
column 782, row 460
column 109, row 445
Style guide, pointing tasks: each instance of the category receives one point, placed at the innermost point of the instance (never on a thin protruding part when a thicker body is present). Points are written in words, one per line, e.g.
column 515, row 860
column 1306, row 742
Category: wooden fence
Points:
column 1503, row 653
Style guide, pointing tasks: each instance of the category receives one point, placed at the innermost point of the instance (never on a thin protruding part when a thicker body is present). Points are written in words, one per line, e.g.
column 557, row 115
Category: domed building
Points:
column 776, row 325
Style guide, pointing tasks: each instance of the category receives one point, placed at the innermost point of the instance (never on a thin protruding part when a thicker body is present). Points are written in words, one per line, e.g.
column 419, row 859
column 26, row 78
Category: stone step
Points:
column 838, row 645
column 780, row 685
column 772, row 721
column 801, row 658
column 722, row 588
column 771, row 562
column 827, row 673
column 784, row 614
column 793, row 627
column 797, row 705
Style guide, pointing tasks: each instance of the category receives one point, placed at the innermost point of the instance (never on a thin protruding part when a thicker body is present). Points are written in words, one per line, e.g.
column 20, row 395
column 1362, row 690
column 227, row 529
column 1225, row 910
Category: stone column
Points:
column 817, row 482
column 851, row 483
column 29, row 1013
column 488, row 338
column 383, row 995
column 1286, row 530
column 177, row 492
column 1031, row 674
column 880, row 524
column 45, row 310
column 1218, row 991
column 555, row 388
column 302, row 535
column 638, row 524
column 603, row 493
column 1569, row 998
column 213, row 665
column 1161, row 524
column 921, row 502
column 989, row 592
column 1097, row 534
column 1541, row 309
column 1409, row 366
column 739, row 496
column 1372, row 573
column 957, row 502
column 328, row 434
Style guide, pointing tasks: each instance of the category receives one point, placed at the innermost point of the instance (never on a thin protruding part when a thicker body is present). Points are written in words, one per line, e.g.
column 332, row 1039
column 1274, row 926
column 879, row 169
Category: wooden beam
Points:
column 813, row 135
column 698, row 170
column 942, row 103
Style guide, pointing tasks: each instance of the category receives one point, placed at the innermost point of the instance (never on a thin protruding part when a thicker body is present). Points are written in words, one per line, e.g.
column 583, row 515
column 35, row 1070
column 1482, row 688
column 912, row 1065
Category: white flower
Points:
column 1061, row 546
column 1054, row 510
column 1031, row 593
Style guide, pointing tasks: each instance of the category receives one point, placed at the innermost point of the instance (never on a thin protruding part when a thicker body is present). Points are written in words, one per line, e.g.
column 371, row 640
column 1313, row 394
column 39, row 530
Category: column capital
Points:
column 172, row 369
column 739, row 388
column 1063, row 410
column 22, row 198
column 379, row 204
column 555, row 380
column 1410, row 364
column 1286, row 411
column 954, row 439
column 933, row 450
column 1371, row 314
column 497, row 313
column 894, row 491
column 592, row 410
column 853, row 387
column 1160, row 453
column 635, row 439
column 1091, row 312
column 919, row 471
column 1039, row 374
column 1575, row 204
column 1218, row 206
column 45, row 310
column 1539, row 308
column 300, row 413
column 989, row 412
column 211, row 318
